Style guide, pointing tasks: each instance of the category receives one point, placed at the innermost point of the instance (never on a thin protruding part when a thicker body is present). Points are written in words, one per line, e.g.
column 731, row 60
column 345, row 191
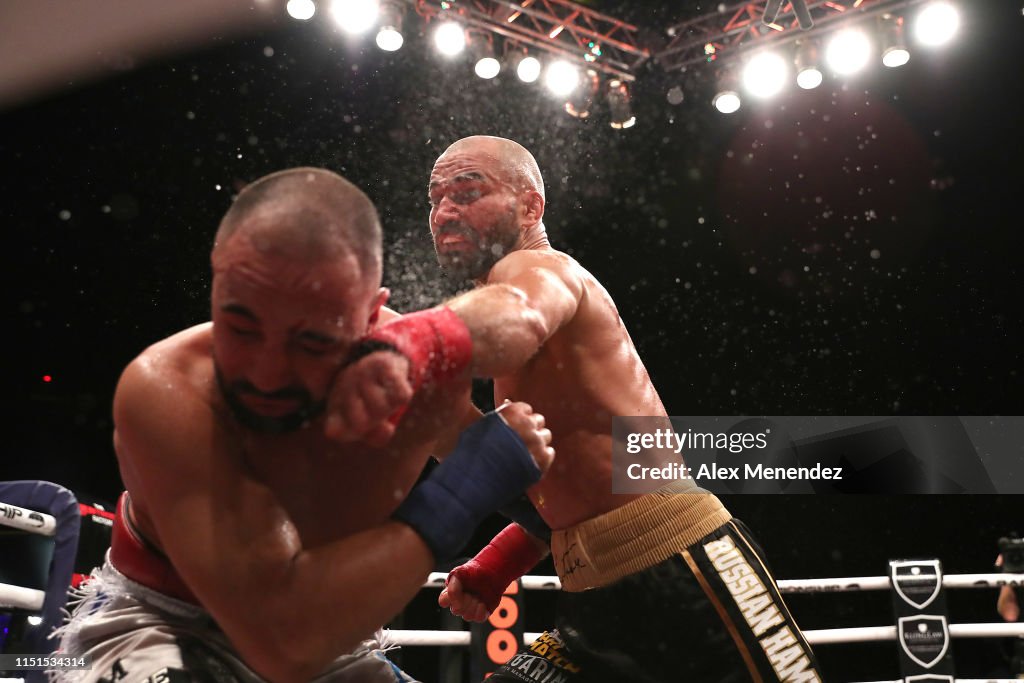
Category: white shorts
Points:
column 134, row 634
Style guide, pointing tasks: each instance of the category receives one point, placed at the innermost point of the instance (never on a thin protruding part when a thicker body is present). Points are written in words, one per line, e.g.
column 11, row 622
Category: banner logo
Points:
column 917, row 581
column 924, row 639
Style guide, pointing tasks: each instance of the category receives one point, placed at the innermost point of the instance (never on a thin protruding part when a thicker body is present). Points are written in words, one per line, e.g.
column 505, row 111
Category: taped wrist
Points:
column 509, row 555
column 522, row 512
column 436, row 342
column 489, row 467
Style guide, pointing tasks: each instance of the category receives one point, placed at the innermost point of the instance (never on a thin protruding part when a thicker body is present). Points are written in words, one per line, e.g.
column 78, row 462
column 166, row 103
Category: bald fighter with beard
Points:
column 641, row 574
column 248, row 546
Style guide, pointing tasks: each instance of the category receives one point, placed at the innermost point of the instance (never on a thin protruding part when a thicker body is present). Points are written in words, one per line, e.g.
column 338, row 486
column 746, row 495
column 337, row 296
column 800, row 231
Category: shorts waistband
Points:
column 638, row 535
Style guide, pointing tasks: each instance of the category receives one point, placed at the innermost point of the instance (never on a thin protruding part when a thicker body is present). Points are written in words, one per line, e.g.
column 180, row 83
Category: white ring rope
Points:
column 22, row 598
column 814, row 637
column 840, row 585
column 27, row 520
column 819, row 637
column 871, row 633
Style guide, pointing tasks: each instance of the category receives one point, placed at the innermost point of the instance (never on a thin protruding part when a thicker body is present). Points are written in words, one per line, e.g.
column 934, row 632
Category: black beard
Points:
column 488, row 249
column 261, row 423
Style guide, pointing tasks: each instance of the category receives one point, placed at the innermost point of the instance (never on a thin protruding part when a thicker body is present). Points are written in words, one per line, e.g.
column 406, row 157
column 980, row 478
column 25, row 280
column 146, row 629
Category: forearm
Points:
column 335, row 596
column 506, row 331
column 1007, row 605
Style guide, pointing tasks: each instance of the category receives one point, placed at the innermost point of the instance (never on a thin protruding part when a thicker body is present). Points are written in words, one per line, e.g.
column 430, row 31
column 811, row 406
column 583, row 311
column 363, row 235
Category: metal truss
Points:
column 741, row 27
column 561, row 27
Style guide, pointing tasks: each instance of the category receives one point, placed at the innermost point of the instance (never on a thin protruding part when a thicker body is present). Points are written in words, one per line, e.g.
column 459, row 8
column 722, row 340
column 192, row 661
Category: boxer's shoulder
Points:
column 524, row 259
column 175, row 374
column 182, row 357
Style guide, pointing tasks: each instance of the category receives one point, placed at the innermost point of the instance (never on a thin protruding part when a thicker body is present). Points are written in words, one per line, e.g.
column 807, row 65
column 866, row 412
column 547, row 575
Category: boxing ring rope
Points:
column 828, row 636
column 791, row 586
column 34, row 523
column 840, row 585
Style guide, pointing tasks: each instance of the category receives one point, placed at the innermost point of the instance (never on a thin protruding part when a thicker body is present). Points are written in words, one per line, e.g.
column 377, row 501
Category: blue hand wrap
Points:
column 489, row 468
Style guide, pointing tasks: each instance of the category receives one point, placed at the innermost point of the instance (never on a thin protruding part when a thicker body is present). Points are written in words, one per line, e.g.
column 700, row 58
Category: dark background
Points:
column 854, row 250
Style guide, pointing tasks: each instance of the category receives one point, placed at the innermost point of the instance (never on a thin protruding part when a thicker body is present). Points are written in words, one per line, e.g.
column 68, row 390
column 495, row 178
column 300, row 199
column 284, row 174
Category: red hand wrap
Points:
column 436, row 342
column 508, row 556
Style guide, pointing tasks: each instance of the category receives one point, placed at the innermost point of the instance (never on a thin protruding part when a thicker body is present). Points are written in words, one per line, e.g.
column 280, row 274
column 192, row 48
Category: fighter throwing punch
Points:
column 645, row 578
column 248, row 546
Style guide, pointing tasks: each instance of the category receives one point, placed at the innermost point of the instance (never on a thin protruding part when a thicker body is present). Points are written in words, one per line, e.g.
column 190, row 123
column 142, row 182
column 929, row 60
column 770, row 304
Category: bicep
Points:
column 550, row 288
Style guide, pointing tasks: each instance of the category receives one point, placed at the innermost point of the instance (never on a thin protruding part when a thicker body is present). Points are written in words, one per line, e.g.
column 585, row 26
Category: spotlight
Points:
column 894, row 49
column 848, row 52
column 301, row 9
column 561, row 78
column 727, row 100
column 450, row 38
column 354, row 16
column 528, row 69
column 936, row 24
column 808, row 73
column 765, row 74
column 618, row 105
column 389, row 36
column 34, row 620
column 582, row 98
column 486, row 66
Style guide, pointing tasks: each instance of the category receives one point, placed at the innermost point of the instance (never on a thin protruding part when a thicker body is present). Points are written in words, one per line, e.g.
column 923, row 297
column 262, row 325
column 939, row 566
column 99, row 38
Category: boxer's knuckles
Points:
column 530, row 427
column 461, row 603
column 365, row 394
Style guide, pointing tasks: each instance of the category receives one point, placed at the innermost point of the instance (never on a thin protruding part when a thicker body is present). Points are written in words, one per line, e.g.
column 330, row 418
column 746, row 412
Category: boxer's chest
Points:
column 332, row 491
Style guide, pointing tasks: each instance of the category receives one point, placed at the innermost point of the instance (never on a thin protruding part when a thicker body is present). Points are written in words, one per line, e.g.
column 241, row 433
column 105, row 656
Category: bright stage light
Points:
column 354, row 16
column 528, row 69
column 809, row 79
column 808, row 73
column 936, row 24
column 765, row 75
column 895, row 56
column 487, row 67
column 450, row 38
column 727, row 101
column 561, row 78
column 389, row 37
column 302, row 10
column 848, row 52
column 894, row 48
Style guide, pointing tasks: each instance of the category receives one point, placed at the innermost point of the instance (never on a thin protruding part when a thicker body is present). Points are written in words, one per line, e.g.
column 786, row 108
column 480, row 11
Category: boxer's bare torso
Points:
column 584, row 374
column 328, row 490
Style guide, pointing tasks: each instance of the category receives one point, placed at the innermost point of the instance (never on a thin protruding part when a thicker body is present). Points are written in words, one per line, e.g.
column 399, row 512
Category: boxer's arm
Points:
column 529, row 295
column 288, row 610
column 1006, row 603
column 446, row 442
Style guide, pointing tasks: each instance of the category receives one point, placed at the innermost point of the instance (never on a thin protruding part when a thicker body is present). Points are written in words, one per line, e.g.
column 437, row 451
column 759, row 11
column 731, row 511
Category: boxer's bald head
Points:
column 513, row 161
column 308, row 214
column 487, row 200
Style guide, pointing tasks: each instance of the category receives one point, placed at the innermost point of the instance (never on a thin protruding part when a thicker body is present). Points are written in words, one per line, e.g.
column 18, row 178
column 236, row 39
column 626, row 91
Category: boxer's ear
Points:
column 379, row 300
column 533, row 208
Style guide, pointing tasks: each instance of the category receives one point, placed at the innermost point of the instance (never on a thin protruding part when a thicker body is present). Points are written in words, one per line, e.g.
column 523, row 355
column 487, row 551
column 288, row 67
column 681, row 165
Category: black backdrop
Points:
column 853, row 250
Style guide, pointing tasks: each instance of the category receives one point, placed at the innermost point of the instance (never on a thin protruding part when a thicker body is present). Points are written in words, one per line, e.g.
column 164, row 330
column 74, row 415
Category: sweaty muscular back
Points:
column 586, row 372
